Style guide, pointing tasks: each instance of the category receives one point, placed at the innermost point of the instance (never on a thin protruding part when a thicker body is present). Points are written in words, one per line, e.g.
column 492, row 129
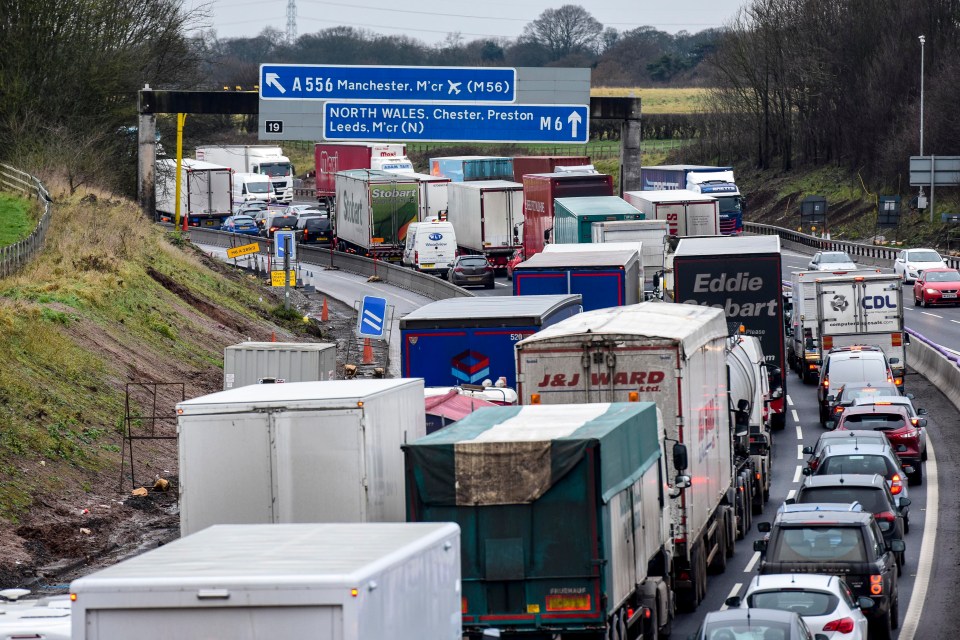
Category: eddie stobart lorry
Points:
column 742, row 276
column 673, row 355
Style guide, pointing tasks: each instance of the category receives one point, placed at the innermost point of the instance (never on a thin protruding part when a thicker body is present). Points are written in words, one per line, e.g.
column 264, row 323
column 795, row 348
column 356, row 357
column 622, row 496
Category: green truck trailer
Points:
column 573, row 217
column 560, row 509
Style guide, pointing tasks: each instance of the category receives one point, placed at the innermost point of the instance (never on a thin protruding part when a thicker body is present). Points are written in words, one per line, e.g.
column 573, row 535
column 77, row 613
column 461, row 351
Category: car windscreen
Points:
column 873, row 499
column 864, row 464
column 243, row 221
column 873, row 421
column 856, row 369
column 753, row 629
column 942, row 276
column 834, row 256
column 923, row 256
column 473, row 262
column 258, row 187
column 318, row 224
column 818, row 543
column 865, row 392
column 804, row 603
column 284, row 221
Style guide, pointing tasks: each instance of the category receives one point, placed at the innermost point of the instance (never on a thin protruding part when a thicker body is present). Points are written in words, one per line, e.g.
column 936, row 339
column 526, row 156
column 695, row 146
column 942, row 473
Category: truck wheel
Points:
column 719, row 563
column 730, row 526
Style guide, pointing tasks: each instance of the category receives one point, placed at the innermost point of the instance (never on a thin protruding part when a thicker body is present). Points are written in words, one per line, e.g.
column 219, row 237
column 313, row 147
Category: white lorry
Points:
column 206, row 192
column 673, row 355
column 297, row 452
column 687, row 213
column 652, row 233
column 433, row 196
column 278, row 362
column 487, row 216
column 864, row 309
column 373, row 212
column 249, row 582
column 248, row 158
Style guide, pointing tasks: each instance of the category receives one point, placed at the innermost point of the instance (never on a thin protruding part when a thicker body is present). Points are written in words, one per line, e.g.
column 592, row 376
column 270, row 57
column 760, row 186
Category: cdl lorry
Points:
column 247, row 582
column 373, row 211
column 248, row 158
column 331, row 158
column 206, row 192
column 741, row 276
column 715, row 181
column 864, row 309
column 486, row 215
column 675, row 356
column 687, row 213
column 560, row 512
column 468, row 340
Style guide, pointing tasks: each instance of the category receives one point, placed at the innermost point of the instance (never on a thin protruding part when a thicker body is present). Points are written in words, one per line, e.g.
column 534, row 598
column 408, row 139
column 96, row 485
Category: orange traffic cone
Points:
column 367, row 351
column 273, row 336
column 324, row 312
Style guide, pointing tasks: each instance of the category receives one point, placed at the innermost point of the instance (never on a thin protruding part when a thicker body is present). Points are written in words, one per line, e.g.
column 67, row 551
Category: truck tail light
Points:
column 826, row 382
column 898, row 381
column 578, row 602
column 896, row 339
column 876, row 585
column 633, row 396
column 463, row 605
column 416, row 257
column 535, row 398
column 843, row 625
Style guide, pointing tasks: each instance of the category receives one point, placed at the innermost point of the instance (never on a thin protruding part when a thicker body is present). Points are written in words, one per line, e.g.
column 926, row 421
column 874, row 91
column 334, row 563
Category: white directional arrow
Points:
column 274, row 79
column 574, row 119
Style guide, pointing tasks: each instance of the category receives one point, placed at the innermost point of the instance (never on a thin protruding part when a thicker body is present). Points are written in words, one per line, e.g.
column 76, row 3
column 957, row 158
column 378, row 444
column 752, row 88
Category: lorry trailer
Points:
column 373, row 211
column 330, row 158
column 206, row 193
column 603, row 278
column 687, row 213
column 254, row 158
column 486, row 215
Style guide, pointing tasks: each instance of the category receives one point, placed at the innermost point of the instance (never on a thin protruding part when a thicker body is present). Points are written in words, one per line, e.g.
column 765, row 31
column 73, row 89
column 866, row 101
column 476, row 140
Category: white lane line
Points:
column 957, row 321
column 789, row 400
column 796, row 416
column 799, row 452
column 733, row 592
column 925, row 563
column 799, row 433
column 791, row 494
column 502, row 284
column 797, row 473
column 932, row 315
column 753, row 562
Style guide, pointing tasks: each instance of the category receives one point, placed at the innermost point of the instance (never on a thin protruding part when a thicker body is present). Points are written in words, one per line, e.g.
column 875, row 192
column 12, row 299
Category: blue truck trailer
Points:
column 470, row 168
column 559, row 508
column 573, row 217
column 718, row 182
column 468, row 340
column 602, row 278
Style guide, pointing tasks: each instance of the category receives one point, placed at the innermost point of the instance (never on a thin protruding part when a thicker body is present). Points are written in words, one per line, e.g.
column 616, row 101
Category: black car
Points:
column 849, row 364
column 314, row 230
column 280, row 222
column 849, row 544
column 871, row 491
column 471, row 271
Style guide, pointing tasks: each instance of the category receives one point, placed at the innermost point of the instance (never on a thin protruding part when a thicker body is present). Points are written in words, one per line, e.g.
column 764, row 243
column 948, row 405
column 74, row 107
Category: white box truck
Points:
column 249, row 582
column 687, row 213
column 673, row 355
column 487, row 216
column 278, row 362
column 652, row 233
column 373, row 211
column 864, row 309
column 250, row 158
column 206, row 192
column 298, row 452
column 433, row 196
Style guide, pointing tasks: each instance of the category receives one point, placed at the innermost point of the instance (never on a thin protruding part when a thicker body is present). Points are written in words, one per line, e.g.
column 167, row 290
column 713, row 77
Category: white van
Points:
column 430, row 246
column 248, row 187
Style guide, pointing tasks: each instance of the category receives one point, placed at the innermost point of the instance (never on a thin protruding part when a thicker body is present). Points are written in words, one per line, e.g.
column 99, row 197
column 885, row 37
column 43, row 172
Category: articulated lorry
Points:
column 603, row 278
column 560, row 513
column 486, row 215
column 715, row 181
column 687, row 213
column 433, row 197
column 573, row 217
column 864, row 309
column 245, row 582
column 248, row 158
column 652, row 234
column 297, row 452
column 330, row 158
column 206, row 193
column 373, row 211
column 675, row 356
column 741, row 276
column 522, row 165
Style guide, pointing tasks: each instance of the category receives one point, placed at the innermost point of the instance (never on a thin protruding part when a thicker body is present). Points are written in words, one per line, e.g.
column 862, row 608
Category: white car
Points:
column 306, row 210
column 831, row 261
column 911, row 262
column 826, row 603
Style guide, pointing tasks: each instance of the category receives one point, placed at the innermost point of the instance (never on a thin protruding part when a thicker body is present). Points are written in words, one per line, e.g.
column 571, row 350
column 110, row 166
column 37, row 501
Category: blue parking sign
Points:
column 280, row 240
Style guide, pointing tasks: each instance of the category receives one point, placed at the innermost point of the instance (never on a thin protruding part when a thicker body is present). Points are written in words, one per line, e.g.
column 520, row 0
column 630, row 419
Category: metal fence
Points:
column 14, row 256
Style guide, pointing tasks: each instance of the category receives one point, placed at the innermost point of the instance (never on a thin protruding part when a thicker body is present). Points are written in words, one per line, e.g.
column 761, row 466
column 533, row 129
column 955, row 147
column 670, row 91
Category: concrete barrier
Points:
column 936, row 364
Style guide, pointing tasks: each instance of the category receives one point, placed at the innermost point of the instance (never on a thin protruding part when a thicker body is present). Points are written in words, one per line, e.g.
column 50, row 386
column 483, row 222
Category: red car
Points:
column 937, row 286
column 897, row 424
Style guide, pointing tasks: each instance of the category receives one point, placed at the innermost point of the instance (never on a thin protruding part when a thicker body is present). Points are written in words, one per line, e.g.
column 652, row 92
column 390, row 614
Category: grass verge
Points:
column 17, row 218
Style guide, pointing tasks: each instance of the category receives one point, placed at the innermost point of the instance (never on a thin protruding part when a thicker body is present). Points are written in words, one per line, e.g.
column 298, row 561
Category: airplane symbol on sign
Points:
column 454, row 87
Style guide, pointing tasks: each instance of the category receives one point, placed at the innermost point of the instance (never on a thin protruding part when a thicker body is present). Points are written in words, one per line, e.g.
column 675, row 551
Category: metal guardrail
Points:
column 15, row 256
column 426, row 285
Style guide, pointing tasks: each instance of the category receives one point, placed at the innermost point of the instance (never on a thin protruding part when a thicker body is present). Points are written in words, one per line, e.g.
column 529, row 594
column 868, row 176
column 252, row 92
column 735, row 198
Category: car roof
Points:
column 824, row 517
column 851, row 434
column 845, row 480
column 808, row 507
column 793, row 581
column 899, row 400
column 867, row 384
column 860, row 409
column 865, row 349
column 742, row 615
column 854, row 448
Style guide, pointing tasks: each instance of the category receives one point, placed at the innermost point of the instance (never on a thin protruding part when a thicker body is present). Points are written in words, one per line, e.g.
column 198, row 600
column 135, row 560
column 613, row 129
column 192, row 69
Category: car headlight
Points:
column 931, row 291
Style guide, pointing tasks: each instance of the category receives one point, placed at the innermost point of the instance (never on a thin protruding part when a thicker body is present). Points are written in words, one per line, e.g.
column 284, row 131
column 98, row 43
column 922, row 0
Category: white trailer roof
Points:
column 271, row 555
column 691, row 325
column 191, row 165
column 517, row 309
column 727, row 245
column 672, row 195
column 583, row 258
column 593, row 246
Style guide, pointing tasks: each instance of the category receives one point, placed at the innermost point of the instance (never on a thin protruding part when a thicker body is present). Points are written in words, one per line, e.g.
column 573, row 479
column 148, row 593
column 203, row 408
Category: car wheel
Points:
column 906, row 525
column 923, row 301
column 916, row 301
column 488, row 286
column 917, row 477
column 895, row 612
column 880, row 627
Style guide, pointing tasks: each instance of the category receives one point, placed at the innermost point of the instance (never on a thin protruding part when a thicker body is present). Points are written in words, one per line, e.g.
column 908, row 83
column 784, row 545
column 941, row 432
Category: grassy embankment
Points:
column 17, row 218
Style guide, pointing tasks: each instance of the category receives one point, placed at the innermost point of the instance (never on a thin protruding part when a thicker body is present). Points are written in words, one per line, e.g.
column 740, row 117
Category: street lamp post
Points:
column 922, row 41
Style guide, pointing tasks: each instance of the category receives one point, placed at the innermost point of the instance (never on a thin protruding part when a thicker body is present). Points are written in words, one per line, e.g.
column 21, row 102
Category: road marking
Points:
column 791, row 494
column 799, row 452
column 925, row 563
column 796, row 417
column 799, row 433
column 753, row 562
column 502, row 284
column 932, row 315
column 733, row 592
column 789, row 400
column 797, row 473
column 957, row 321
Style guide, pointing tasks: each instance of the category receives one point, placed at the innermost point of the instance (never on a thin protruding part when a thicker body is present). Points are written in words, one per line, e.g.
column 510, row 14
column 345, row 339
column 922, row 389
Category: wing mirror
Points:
column 921, row 412
column 905, row 502
column 894, row 360
column 760, row 545
column 831, row 425
column 807, row 471
column 807, row 450
column 865, row 603
column 908, row 469
column 831, row 398
column 898, row 546
column 682, row 482
column 763, row 527
column 790, row 501
column 922, row 422
column 733, row 602
column 680, row 461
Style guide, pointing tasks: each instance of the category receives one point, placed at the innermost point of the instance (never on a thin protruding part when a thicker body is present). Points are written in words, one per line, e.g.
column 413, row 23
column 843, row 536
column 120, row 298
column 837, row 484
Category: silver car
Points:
column 831, row 261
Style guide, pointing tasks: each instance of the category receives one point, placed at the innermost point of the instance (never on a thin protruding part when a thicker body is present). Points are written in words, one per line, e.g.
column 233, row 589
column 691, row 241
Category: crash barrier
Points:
column 871, row 254
column 426, row 285
column 14, row 256
column 938, row 365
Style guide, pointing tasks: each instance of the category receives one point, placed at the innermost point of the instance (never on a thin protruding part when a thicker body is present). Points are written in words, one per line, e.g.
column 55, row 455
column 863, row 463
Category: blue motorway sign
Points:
column 334, row 82
column 372, row 320
column 282, row 239
column 554, row 123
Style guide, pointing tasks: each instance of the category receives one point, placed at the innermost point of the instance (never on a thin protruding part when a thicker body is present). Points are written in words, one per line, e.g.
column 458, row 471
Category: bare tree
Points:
column 569, row 29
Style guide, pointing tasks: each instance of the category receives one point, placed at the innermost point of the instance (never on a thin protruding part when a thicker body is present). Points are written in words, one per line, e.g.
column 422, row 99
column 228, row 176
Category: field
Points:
column 16, row 220
column 667, row 100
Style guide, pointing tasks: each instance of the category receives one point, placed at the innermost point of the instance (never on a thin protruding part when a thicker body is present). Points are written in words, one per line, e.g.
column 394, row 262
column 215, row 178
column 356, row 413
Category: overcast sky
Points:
column 431, row 20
